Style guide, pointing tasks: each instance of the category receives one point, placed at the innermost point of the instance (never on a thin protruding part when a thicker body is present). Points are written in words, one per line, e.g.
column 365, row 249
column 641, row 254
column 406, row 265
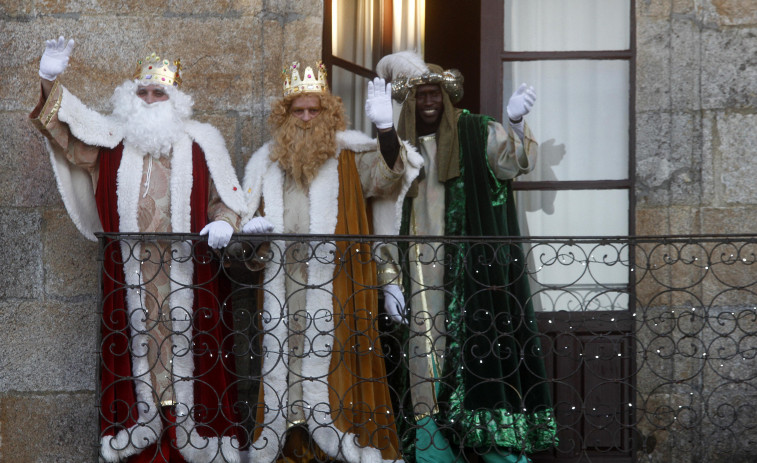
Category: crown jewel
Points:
column 310, row 81
column 154, row 70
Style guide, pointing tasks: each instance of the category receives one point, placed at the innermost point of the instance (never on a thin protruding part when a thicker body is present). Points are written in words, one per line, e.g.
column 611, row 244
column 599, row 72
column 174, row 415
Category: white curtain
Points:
column 352, row 39
column 408, row 29
column 581, row 122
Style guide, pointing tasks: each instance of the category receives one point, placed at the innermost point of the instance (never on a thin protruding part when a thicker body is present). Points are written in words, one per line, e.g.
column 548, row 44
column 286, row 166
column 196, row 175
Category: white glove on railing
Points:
column 394, row 303
column 258, row 225
column 521, row 102
column 219, row 233
column 378, row 103
column 55, row 58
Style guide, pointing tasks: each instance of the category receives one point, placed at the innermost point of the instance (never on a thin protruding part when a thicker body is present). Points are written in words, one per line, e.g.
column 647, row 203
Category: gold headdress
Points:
column 406, row 69
column 310, row 83
column 158, row 71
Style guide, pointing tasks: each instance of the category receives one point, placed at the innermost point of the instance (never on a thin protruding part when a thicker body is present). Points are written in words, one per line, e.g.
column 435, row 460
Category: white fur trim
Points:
column 268, row 182
column 356, row 141
column 387, row 211
column 252, row 184
column 88, row 125
column 219, row 164
column 77, row 192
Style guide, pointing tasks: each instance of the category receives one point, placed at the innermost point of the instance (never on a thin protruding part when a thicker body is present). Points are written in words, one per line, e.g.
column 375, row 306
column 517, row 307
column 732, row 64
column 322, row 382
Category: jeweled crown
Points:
column 155, row 70
column 310, row 82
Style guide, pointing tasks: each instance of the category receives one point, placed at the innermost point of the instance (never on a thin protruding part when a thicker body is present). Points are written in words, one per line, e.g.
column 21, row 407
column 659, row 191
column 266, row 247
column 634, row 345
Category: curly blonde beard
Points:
column 302, row 147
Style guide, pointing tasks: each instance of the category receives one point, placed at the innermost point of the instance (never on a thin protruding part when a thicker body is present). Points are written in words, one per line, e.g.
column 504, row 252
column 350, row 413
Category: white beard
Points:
column 151, row 128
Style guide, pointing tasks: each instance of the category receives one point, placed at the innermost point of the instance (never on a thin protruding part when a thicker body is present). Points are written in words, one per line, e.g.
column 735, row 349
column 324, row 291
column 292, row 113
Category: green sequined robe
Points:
column 487, row 372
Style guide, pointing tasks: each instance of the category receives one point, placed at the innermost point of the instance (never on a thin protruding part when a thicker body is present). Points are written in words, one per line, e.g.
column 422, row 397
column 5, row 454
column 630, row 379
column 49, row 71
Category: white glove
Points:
column 219, row 233
column 258, row 225
column 521, row 102
column 378, row 103
column 55, row 58
column 394, row 303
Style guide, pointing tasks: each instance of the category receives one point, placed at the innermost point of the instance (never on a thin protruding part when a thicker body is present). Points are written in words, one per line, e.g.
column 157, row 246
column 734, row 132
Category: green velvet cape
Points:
column 494, row 391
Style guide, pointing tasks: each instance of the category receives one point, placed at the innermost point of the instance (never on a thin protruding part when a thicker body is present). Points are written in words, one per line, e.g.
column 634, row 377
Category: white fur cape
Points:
column 264, row 179
column 76, row 188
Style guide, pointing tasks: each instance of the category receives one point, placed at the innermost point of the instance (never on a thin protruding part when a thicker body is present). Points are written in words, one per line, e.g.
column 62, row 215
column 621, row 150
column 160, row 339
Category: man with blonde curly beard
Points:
column 323, row 392
column 149, row 168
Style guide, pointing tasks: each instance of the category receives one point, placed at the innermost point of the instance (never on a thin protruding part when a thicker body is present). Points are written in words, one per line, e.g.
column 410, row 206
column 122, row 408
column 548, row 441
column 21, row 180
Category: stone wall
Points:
column 696, row 110
column 695, row 138
column 232, row 53
column 696, row 114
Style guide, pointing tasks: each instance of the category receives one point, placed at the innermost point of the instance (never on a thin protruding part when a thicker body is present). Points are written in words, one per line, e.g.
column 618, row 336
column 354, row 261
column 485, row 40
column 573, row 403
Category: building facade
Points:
column 666, row 99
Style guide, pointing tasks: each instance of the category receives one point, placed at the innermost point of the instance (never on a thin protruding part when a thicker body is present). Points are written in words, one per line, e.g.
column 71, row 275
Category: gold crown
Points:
column 159, row 71
column 309, row 84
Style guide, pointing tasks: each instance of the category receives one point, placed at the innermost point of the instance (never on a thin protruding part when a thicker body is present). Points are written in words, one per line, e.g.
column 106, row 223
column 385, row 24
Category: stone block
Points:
column 49, row 428
column 274, row 59
column 735, row 12
column 737, row 139
column 26, row 179
column 735, row 220
column 685, row 7
column 21, row 248
column 254, row 132
column 292, row 11
column 22, row 48
column 70, row 261
column 657, row 9
column 685, row 64
column 729, row 68
column 12, row 9
column 224, row 8
column 653, row 65
column 668, row 159
column 673, row 220
column 48, row 346
column 686, row 158
column 303, row 38
column 218, row 72
column 711, row 159
column 653, row 168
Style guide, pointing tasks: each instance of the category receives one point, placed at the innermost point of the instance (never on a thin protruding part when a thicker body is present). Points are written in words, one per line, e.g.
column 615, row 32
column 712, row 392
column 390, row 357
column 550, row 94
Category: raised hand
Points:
column 520, row 102
column 378, row 103
column 55, row 58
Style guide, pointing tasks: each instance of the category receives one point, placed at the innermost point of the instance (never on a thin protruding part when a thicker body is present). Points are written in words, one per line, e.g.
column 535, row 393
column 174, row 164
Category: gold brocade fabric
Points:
column 154, row 214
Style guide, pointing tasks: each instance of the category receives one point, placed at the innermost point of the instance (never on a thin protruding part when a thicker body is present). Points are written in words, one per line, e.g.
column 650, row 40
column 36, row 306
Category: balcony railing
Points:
column 566, row 349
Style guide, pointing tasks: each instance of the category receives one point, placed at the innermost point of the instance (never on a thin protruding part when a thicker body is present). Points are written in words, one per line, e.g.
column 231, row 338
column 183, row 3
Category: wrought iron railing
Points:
column 562, row 349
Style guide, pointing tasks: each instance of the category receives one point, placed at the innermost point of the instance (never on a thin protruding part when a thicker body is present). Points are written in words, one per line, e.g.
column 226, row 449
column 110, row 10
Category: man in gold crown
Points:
column 146, row 168
column 323, row 392
column 476, row 378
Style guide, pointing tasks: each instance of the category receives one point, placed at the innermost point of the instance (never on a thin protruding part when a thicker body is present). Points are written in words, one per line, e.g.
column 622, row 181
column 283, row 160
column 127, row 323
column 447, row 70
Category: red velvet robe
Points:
column 214, row 394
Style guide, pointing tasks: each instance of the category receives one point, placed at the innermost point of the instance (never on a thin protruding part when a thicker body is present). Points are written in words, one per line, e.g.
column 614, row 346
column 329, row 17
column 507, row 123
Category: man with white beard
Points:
column 149, row 168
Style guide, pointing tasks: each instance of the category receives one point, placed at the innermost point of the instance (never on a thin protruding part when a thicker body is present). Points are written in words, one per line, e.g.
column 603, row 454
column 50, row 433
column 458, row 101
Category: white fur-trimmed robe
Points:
column 77, row 191
column 264, row 180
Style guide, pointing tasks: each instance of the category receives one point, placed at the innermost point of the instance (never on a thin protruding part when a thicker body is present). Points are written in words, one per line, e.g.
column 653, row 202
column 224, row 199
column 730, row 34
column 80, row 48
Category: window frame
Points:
column 383, row 21
column 493, row 51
